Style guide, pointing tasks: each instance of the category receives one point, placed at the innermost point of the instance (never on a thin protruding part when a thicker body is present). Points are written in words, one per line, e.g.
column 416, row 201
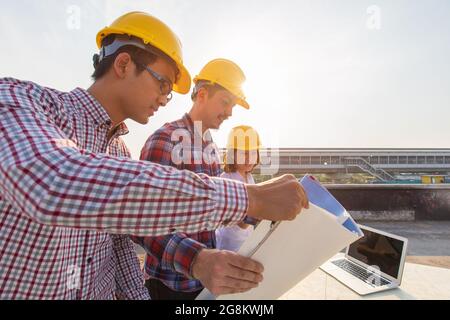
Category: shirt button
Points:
column 89, row 260
column 173, row 230
column 226, row 222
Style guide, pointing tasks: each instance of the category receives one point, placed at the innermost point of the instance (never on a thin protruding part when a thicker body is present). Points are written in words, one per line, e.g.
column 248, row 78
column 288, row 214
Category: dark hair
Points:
column 212, row 89
column 139, row 56
column 229, row 161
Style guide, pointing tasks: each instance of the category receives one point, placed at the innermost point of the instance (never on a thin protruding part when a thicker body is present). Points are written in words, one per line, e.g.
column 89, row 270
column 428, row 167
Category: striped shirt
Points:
column 68, row 194
column 169, row 258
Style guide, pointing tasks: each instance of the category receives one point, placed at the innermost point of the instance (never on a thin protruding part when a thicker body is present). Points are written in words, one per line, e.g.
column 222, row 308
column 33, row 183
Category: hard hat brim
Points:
column 243, row 103
column 183, row 84
column 239, row 101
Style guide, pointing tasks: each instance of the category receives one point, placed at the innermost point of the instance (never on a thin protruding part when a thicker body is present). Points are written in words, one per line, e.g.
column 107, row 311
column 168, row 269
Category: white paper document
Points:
column 291, row 250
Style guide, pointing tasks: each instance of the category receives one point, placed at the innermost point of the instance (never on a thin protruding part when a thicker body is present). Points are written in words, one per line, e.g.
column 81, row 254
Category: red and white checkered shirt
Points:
column 68, row 195
column 170, row 258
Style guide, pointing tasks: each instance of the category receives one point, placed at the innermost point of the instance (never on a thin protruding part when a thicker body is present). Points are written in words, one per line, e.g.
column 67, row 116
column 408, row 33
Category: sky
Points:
column 320, row 74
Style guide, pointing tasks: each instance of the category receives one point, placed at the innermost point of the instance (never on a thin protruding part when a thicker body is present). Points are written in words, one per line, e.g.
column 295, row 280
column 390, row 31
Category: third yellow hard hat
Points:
column 156, row 33
column 243, row 138
column 228, row 75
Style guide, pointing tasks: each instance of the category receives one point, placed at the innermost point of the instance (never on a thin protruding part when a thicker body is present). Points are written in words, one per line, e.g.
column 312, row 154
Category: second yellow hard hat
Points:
column 228, row 75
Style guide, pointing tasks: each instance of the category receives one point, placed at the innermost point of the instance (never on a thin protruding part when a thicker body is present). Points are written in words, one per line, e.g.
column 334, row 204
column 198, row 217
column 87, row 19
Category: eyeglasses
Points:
column 165, row 85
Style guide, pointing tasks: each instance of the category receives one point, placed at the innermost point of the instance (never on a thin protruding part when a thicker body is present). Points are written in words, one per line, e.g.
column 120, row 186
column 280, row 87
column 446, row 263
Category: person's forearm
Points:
column 180, row 255
column 54, row 183
column 96, row 192
column 174, row 253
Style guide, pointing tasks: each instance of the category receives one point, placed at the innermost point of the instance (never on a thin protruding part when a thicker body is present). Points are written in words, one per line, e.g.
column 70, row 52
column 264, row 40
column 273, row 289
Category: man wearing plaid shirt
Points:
column 186, row 144
column 69, row 192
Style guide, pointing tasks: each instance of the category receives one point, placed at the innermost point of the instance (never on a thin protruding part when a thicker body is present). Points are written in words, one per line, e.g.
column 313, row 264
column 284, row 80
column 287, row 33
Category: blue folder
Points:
column 321, row 197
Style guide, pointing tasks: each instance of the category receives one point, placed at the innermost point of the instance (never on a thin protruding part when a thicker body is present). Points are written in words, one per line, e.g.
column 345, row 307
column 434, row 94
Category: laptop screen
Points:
column 379, row 251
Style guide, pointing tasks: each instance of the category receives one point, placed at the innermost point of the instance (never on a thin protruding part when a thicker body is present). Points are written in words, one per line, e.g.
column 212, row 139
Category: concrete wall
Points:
column 394, row 202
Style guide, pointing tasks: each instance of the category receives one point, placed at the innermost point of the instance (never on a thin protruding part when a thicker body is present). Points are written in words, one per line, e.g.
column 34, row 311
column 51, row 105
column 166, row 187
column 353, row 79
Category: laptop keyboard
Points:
column 361, row 273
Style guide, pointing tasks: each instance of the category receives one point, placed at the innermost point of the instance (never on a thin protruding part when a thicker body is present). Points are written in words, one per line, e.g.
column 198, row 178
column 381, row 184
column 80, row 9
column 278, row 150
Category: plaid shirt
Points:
column 67, row 192
column 169, row 258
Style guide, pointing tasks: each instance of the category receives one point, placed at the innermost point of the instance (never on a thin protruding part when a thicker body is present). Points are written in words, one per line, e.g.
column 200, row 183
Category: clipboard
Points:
column 291, row 250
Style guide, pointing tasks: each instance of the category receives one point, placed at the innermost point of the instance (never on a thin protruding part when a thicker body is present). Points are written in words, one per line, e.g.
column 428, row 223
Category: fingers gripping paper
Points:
column 291, row 250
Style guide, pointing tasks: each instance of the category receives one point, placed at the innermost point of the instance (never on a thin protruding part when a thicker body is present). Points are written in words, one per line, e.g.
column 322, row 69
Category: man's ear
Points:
column 202, row 94
column 122, row 65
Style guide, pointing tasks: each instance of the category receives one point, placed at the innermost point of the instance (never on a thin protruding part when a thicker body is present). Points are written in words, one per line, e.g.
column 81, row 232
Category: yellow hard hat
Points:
column 228, row 75
column 156, row 33
column 243, row 138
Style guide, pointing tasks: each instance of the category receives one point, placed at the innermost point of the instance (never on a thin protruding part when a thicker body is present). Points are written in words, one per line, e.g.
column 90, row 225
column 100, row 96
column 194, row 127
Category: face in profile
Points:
column 144, row 92
column 219, row 107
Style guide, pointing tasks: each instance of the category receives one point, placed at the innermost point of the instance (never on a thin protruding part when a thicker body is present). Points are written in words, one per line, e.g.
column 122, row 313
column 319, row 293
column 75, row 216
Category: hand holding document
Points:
column 277, row 199
column 291, row 250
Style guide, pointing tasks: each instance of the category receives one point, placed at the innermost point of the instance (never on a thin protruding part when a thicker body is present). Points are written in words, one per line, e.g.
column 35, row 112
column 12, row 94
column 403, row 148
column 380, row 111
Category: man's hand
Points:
column 278, row 199
column 225, row 272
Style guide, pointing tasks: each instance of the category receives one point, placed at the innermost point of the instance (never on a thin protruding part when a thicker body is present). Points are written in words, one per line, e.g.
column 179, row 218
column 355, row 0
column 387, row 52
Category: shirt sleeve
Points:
column 174, row 252
column 44, row 175
column 158, row 149
column 128, row 278
column 247, row 219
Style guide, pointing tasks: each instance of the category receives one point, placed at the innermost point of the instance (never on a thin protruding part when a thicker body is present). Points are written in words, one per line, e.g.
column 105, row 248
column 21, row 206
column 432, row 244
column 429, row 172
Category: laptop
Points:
column 372, row 264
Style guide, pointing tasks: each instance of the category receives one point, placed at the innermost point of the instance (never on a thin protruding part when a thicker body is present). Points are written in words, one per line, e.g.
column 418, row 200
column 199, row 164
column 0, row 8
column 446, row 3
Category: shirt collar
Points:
column 189, row 124
column 121, row 130
column 96, row 111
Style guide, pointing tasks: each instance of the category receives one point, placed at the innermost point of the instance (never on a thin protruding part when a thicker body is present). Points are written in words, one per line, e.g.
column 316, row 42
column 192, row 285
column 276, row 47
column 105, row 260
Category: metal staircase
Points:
column 367, row 167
